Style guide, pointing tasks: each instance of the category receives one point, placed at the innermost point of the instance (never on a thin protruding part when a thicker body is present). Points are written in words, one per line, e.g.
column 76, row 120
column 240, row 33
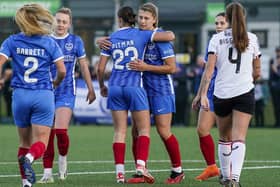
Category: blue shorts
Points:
column 162, row 104
column 33, row 107
column 67, row 101
column 127, row 98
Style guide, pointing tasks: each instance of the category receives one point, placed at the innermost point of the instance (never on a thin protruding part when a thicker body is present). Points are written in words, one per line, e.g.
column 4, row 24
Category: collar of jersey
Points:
column 123, row 28
column 60, row 37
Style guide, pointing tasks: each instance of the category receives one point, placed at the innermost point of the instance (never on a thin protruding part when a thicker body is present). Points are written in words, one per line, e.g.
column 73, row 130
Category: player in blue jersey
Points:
column 207, row 119
column 73, row 49
column 126, row 92
column 33, row 52
column 158, row 65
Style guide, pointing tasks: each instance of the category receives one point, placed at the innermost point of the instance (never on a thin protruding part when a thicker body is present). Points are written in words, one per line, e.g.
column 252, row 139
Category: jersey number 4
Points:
column 236, row 61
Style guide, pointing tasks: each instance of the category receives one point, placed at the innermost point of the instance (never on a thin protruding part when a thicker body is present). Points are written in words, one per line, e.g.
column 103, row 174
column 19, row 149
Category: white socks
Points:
column 237, row 159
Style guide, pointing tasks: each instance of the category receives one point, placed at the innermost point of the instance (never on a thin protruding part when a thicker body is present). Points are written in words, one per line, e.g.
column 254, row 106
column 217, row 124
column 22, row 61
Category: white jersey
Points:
column 235, row 70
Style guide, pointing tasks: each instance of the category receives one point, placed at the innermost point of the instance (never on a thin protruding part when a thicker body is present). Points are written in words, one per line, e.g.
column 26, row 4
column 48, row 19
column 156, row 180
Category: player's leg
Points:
column 120, row 127
column 163, row 125
column 63, row 114
column 48, row 159
column 206, row 120
column 35, row 107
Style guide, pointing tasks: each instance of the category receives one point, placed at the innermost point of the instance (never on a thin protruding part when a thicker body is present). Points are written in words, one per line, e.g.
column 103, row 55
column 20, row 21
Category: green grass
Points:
column 93, row 144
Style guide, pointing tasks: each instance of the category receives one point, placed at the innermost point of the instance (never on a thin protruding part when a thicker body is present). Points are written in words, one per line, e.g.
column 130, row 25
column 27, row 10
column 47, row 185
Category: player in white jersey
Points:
column 207, row 119
column 33, row 52
column 235, row 53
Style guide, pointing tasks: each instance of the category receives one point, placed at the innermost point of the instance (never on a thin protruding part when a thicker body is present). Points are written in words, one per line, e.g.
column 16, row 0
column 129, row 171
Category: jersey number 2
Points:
column 30, row 70
column 236, row 61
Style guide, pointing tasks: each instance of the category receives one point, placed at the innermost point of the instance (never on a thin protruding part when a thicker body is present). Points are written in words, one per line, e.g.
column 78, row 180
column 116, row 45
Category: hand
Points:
column 204, row 102
column 196, row 103
column 91, row 97
column 103, row 43
column 104, row 91
column 137, row 65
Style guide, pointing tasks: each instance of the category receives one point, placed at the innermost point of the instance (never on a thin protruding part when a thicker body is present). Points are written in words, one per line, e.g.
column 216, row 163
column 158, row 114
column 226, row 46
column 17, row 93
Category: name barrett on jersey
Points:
column 30, row 52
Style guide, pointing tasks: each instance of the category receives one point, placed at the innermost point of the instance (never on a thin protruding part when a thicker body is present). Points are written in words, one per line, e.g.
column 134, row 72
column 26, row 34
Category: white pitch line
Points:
column 151, row 161
column 152, row 170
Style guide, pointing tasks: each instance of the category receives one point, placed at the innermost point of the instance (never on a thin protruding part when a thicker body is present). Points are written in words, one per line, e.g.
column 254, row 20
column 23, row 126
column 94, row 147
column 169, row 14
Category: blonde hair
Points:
column 66, row 11
column 153, row 9
column 33, row 19
column 236, row 17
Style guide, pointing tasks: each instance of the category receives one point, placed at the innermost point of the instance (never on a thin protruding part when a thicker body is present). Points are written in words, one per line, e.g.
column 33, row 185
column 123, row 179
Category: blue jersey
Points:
column 32, row 57
column 72, row 47
column 154, row 83
column 127, row 44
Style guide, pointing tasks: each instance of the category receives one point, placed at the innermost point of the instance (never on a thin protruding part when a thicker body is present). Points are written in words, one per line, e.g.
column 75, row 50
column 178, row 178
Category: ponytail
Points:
column 236, row 17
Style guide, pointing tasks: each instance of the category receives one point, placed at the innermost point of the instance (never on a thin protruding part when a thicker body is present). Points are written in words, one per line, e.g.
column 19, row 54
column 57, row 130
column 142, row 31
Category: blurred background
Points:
column 193, row 24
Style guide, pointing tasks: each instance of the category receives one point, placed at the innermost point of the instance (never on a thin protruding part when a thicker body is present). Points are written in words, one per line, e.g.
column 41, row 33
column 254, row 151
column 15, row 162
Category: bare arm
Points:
column 196, row 100
column 256, row 69
column 3, row 59
column 206, row 79
column 103, row 43
column 61, row 72
column 169, row 66
column 86, row 75
column 163, row 36
column 100, row 75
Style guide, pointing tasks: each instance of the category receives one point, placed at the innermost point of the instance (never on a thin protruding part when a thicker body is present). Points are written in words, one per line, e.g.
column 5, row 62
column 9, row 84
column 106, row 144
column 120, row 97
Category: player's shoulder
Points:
column 252, row 36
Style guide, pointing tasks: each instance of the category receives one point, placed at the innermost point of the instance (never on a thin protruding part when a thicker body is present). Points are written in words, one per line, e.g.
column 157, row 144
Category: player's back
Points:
column 32, row 57
column 127, row 44
column 234, row 68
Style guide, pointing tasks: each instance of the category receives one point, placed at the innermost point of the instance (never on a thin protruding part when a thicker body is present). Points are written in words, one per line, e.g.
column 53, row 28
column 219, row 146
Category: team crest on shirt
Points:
column 69, row 46
column 151, row 46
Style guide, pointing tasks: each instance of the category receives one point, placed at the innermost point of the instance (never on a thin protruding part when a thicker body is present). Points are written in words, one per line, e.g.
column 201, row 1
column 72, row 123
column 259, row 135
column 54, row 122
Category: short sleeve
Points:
column 212, row 47
column 5, row 48
column 81, row 53
column 166, row 49
column 56, row 52
column 105, row 52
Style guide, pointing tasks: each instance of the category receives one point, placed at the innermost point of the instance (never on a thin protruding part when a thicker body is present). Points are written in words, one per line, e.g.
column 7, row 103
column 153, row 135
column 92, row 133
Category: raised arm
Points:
column 103, row 42
column 163, row 36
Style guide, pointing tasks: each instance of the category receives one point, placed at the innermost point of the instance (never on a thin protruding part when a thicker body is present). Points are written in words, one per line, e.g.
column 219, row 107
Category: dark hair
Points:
column 127, row 15
column 236, row 18
column 223, row 14
column 277, row 49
